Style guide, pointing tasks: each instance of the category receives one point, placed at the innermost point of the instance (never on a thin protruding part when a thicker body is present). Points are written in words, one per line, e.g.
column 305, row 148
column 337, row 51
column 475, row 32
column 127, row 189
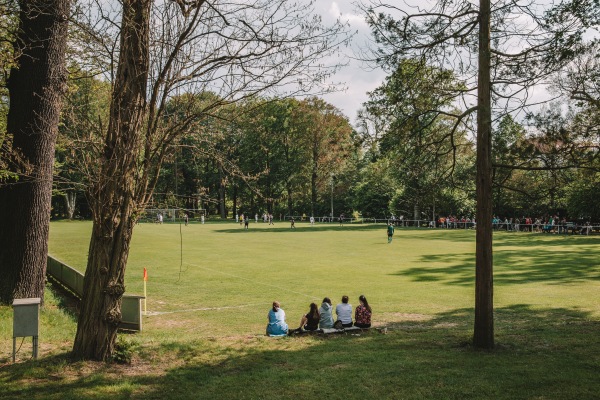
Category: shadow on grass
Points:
column 535, row 261
column 549, row 353
column 66, row 300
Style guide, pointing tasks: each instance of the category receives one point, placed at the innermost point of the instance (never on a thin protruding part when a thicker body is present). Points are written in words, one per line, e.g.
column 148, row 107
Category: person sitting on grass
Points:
column 344, row 312
column 362, row 315
column 310, row 320
column 276, row 317
column 326, row 314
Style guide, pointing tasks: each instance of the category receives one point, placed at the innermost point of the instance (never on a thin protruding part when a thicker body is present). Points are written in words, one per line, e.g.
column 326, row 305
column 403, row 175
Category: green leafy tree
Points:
column 375, row 189
column 499, row 52
column 582, row 197
column 415, row 135
column 332, row 147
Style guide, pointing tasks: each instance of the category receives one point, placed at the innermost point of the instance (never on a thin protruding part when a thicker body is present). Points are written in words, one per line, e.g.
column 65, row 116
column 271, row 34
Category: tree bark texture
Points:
column 484, row 284
column 222, row 193
column 114, row 205
column 70, row 199
column 314, row 173
column 36, row 89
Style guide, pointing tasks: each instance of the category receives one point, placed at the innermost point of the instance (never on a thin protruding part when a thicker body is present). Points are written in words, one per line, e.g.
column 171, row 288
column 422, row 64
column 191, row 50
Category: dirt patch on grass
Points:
column 406, row 317
column 446, row 325
column 169, row 323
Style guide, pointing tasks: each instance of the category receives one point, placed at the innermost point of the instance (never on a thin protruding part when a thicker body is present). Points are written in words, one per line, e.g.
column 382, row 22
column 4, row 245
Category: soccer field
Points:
column 215, row 279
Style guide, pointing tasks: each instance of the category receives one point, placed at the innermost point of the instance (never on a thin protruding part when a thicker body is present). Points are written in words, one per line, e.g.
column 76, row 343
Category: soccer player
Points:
column 390, row 232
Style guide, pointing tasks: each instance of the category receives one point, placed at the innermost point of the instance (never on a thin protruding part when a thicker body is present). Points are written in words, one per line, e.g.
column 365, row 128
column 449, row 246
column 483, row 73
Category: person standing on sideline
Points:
column 256, row 218
column 344, row 312
column 312, row 220
column 246, row 222
column 202, row 219
column 390, row 232
column 185, row 219
column 293, row 223
column 237, row 217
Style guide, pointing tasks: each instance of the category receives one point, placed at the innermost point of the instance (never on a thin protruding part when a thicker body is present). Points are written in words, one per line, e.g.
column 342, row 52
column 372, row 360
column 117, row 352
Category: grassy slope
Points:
column 420, row 286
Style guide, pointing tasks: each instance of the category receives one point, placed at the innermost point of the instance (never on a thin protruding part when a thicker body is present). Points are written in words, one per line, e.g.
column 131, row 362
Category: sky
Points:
column 357, row 76
column 360, row 78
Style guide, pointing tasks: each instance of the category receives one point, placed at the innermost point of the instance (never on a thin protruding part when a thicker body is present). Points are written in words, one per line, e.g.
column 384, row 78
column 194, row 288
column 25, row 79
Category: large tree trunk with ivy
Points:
column 483, row 336
column 36, row 88
column 114, row 201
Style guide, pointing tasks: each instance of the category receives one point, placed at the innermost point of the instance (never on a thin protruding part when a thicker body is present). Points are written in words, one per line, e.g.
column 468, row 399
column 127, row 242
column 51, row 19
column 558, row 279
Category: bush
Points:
column 124, row 350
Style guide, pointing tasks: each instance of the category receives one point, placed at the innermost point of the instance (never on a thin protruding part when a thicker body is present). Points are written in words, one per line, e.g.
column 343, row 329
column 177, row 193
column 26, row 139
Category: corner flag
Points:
column 145, row 280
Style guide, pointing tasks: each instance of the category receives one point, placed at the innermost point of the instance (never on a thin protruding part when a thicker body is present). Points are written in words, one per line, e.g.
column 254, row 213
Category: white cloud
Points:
column 352, row 19
column 357, row 79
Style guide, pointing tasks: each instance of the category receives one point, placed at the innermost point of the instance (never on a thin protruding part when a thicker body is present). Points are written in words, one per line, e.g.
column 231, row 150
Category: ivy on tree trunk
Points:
column 36, row 88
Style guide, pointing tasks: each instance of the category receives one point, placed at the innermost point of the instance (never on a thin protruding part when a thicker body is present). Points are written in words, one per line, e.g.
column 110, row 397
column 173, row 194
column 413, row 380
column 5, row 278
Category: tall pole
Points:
column 332, row 176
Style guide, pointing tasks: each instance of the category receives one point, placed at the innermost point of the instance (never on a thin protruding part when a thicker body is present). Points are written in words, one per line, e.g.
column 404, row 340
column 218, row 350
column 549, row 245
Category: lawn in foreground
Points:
column 204, row 335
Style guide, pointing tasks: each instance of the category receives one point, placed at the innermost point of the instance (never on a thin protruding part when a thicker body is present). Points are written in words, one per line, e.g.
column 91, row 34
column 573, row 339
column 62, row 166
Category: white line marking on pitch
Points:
column 203, row 309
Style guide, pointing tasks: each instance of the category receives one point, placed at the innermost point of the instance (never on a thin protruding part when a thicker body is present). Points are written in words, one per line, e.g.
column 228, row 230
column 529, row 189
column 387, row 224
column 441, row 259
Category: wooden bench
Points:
column 328, row 331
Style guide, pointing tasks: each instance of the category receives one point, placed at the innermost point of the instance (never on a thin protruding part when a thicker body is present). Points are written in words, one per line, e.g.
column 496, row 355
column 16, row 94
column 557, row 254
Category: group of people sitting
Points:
column 322, row 317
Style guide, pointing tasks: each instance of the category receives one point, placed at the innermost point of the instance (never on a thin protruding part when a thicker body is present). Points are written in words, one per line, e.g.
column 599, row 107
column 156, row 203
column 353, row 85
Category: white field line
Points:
column 150, row 313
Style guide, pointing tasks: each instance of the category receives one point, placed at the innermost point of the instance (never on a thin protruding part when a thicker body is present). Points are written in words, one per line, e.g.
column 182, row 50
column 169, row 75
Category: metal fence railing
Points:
column 561, row 228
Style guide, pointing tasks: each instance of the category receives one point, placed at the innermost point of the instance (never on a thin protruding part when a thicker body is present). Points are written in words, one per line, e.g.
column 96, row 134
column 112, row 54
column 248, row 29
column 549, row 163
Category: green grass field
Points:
column 210, row 287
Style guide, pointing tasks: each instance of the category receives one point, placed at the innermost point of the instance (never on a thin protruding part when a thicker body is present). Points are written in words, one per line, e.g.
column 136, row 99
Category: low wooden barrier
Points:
column 72, row 280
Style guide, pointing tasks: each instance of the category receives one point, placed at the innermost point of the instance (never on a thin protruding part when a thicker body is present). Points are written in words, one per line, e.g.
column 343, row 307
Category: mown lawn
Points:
column 210, row 287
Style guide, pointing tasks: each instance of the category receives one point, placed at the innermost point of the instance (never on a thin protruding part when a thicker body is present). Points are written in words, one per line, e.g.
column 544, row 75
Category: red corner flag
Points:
column 145, row 274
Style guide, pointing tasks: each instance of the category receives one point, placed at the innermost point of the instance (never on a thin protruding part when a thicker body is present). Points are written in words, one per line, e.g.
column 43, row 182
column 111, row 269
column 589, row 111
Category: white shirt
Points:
column 344, row 313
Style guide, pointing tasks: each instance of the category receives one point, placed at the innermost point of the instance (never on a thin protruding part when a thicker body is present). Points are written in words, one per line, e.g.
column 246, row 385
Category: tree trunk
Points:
column 314, row 174
column 269, row 188
column 222, row 193
column 36, row 90
column 113, row 203
column 416, row 214
column 70, row 198
column 484, row 285
column 290, row 198
column 234, row 199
